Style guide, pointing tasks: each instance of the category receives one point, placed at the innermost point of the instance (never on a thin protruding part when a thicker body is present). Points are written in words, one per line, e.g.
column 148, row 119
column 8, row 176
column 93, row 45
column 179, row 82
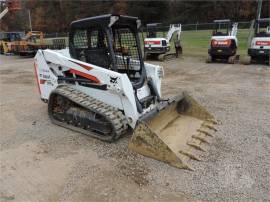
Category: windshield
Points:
column 116, row 48
column 262, row 29
column 155, row 31
column 221, row 29
column 125, row 49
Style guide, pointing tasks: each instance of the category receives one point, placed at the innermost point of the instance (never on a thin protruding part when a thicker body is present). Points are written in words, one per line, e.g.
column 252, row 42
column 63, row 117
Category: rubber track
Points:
column 166, row 56
column 112, row 114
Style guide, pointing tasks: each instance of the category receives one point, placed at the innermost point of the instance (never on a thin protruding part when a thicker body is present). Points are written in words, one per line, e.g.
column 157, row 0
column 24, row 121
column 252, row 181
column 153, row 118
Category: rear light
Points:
column 262, row 43
column 221, row 42
column 152, row 42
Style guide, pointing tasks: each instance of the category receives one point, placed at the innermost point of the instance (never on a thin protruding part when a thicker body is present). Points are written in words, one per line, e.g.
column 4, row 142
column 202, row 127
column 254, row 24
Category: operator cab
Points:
column 222, row 27
column 111, row 42
column 262, row 27
column 152, row 30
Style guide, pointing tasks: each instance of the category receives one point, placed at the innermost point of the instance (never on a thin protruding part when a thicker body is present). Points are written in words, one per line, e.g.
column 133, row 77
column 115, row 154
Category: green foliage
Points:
column 56, row 15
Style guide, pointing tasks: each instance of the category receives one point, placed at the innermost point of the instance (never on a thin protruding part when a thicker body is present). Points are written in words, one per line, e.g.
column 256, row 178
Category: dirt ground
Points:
column 44, row 162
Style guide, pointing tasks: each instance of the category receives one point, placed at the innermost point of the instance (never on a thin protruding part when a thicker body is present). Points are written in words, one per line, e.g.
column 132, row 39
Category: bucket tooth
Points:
column 205, row 132
column 146, row 142
column 192, row 156
column 175, row 134
column 209, row 126
column 212, row 121
column 196, row 146
column 189, row 167
column 200, row 138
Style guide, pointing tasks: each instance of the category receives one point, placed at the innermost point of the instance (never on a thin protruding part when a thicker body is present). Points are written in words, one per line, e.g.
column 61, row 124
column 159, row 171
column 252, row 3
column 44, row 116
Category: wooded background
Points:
column 56, row 15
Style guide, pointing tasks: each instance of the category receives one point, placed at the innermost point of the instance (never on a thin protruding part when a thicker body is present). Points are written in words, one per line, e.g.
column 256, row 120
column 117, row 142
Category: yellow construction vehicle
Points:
column 7, row 39
column 29, row 45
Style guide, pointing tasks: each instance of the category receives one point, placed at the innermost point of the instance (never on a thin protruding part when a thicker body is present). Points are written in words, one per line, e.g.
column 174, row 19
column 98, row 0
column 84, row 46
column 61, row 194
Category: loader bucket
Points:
column 176, row 134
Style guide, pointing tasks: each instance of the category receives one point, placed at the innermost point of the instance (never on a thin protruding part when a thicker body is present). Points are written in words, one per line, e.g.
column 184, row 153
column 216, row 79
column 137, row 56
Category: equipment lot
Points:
column 44, row 162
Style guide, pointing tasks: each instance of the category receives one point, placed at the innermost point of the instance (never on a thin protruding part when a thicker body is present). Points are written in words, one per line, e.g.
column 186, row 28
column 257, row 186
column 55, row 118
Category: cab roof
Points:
column 105, row 21
column 222, row 21
column 153, row 24
column 263, row 20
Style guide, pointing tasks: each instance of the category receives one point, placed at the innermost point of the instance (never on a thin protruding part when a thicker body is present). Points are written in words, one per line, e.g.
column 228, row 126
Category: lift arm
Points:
column 174, row 28
column 3, row 13
column 234, row 29
column 11, row 5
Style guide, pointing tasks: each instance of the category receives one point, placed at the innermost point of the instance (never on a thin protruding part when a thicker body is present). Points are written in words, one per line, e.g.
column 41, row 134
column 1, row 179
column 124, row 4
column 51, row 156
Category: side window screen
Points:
column 90, row 45
column 94, row 39
column 97, row 39
column 80, row 39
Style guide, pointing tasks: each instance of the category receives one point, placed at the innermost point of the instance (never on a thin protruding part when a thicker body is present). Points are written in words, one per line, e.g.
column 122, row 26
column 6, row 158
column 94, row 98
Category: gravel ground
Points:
column 44, row 162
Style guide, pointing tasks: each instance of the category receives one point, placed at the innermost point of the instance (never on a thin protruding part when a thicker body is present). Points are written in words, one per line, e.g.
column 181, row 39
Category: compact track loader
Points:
column 101, row 87
column 224, row 43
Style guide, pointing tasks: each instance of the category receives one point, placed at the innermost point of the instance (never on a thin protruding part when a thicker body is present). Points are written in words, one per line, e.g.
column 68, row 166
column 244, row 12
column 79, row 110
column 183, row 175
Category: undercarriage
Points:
column 73, row 109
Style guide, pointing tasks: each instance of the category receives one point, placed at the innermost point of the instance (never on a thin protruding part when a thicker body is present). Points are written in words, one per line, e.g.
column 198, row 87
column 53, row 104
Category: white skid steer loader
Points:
column 100, row 86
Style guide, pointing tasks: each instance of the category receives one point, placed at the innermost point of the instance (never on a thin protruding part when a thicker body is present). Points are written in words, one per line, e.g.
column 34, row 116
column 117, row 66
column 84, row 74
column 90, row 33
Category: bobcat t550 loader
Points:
column 101, row 87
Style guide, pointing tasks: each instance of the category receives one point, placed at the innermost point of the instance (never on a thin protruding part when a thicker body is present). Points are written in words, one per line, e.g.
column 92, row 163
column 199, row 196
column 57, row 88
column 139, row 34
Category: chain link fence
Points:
column 209, row 26
column 165, row 28
column 194, row 37
column 199, row 26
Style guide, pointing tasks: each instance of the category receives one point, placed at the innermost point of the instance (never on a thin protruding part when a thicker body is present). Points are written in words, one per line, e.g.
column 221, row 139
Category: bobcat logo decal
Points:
column 113, row 79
